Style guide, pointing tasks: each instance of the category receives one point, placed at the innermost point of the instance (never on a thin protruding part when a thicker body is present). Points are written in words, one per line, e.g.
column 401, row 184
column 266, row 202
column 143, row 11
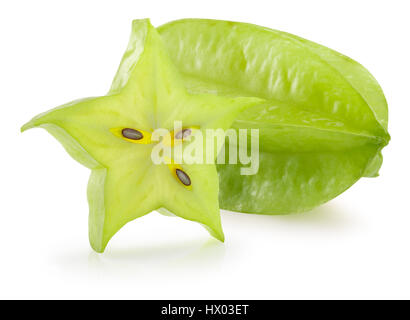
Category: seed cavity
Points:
column 183, row 134
column 132, row 134
column 183, row 177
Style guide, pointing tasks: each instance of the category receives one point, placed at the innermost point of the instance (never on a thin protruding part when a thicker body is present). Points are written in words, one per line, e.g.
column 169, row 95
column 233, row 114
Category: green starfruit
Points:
column 112, row 135
column 323, row 125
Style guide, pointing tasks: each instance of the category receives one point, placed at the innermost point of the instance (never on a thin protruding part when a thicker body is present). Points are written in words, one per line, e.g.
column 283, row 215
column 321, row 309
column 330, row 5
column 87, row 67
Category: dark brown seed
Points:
column 132, row 134
column 183, row 134
column 183, row 177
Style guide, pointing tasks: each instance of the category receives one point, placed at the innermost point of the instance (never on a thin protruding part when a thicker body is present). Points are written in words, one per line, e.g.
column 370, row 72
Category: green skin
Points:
column 147, row 93
column 322, row 127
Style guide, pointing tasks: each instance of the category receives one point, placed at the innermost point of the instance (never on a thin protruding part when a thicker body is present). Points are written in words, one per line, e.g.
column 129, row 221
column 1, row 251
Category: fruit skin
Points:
column 323, row 126
column 147, row 93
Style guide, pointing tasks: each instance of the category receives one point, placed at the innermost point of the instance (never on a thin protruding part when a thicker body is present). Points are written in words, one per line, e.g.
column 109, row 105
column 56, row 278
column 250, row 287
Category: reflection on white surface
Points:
column 184, row 251
column 170, row 254
column 329, row 216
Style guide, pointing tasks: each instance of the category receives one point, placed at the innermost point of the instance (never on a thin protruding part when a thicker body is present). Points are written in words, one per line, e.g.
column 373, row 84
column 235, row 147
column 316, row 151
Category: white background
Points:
column 51, row 52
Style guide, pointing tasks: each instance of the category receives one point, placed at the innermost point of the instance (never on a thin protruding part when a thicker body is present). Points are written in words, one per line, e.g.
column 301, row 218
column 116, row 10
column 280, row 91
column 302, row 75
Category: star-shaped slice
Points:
column 112, row 135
